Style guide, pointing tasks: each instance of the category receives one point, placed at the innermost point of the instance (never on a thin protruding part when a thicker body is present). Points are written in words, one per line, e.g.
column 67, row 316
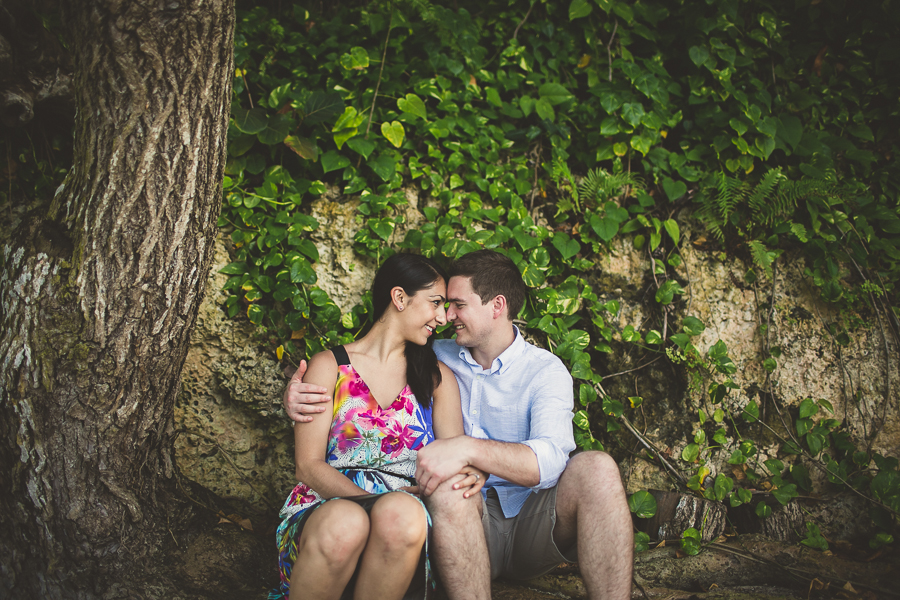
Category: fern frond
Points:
column 563, row 179
column 761, row 199
column 761, row 257
column 599, row 185
column 707, row 211
column 800, row 231
column 793, row 192
column 732, row 191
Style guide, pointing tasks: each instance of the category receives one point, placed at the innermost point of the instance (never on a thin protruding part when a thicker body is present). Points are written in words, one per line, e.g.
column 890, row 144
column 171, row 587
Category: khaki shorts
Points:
column 522, row 547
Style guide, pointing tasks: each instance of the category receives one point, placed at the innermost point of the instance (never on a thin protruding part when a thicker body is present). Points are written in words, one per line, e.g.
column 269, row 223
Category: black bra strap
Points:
column 340, row 354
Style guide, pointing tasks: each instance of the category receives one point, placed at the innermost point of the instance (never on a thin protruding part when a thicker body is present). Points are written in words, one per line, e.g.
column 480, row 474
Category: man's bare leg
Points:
column 591, row 509
column 460, row 550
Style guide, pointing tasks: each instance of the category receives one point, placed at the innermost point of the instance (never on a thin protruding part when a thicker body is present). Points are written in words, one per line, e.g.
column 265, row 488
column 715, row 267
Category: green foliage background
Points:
column 773, row 124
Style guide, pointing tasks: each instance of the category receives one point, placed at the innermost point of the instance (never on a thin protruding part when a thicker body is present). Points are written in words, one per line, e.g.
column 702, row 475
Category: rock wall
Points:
column 237, row 441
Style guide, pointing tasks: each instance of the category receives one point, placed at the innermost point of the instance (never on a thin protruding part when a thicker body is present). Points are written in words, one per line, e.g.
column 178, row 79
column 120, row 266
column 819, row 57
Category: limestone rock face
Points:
column 237, row 441
column 234, row 436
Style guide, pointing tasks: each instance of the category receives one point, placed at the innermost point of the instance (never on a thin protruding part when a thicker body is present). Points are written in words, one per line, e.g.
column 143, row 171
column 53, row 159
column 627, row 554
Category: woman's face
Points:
column 424, row 312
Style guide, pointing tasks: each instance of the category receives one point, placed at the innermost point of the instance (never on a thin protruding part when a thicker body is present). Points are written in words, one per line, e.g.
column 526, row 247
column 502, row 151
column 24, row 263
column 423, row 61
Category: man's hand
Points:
column 302, row 399
column 440, row 460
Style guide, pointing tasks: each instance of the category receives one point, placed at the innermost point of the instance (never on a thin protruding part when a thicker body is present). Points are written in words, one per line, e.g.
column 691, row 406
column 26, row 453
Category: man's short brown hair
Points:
column 492, row 275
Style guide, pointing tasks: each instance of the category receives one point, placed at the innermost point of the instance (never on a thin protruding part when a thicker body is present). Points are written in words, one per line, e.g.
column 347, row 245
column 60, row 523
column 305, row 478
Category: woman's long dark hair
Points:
column 413, row 273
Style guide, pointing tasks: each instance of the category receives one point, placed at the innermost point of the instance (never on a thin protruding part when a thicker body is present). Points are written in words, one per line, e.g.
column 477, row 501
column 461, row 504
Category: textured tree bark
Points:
column 99, row 298
column 676, row 512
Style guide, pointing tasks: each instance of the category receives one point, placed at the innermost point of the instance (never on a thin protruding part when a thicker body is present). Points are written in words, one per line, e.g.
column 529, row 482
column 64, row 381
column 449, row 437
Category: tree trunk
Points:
column 99, row 298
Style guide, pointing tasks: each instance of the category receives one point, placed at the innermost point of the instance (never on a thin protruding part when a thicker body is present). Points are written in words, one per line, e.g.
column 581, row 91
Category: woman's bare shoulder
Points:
column 323, row 369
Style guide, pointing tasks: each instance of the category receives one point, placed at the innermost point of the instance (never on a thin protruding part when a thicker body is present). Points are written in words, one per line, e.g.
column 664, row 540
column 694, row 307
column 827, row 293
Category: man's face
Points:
column 472, row 321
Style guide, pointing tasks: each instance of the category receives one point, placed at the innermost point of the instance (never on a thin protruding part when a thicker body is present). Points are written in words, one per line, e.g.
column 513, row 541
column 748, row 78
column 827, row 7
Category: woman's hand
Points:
column 472, row 481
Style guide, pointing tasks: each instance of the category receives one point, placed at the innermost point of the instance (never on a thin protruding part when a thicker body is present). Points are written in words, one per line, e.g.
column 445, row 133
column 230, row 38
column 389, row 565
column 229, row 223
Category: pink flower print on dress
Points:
column 397, row 440
column 347, row 436
column 374, row 418
column 404, row 403
column 357, row 388
column 302, row 495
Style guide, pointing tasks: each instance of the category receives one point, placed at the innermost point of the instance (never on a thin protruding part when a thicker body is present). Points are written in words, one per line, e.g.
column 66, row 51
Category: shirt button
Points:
column 474, row 412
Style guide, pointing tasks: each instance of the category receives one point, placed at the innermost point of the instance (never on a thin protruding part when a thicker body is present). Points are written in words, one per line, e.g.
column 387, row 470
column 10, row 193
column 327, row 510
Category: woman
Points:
column 370, row 538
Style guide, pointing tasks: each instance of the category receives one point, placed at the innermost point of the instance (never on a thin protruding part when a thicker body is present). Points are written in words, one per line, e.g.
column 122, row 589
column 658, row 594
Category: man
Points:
column 538, row 508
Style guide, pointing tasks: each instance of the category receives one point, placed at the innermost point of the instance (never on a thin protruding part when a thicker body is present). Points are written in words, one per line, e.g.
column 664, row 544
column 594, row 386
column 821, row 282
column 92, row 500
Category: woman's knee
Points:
column 398, row 520
column 338, row 531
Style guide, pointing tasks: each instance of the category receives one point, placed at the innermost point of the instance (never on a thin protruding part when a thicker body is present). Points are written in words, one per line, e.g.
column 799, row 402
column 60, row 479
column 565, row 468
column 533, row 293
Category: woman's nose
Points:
column 441, row 316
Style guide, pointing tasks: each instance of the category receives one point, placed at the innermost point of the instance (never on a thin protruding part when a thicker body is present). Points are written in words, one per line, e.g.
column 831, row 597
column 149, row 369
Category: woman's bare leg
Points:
column 332, row 540
column 397, row 531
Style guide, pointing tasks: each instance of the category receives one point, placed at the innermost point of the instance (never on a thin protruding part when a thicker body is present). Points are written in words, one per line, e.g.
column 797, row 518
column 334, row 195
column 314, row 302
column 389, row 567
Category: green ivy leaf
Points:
column 808, row 408
column 544, row 109
column 674, row 189
column 532, row 276
column 698, row 54
column 581, row 420
column 275, row 131
column 692, row 326
column 393, row 132
column 587, row 394
column 632, row 113
column 722, row 486
column 579, row 9
column 333, row 160
column 605, row 227
column 250, row 121
column 641, row 143
column 526, row 241
column 554, row 93
column 654, row 337
column 384, row 166
column 343, row 135
column 690, row 453
column 304, row 147
column 566, row 246
column 413, row 105
column 235, row 268
column 613, row 408
column 751, row 412
column 321, row 107
column 350, row 119
column 642, row 504
column 361, row 146
column 357, row 59
column 672, row 229
column 302, row 272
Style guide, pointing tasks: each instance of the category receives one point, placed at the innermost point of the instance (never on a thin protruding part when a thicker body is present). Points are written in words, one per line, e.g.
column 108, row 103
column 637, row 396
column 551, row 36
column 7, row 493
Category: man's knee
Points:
column 592, row 470
column 450, row 503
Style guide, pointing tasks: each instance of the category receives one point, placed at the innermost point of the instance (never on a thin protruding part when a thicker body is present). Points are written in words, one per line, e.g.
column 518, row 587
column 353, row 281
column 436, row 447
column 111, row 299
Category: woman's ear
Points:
column 398, row 298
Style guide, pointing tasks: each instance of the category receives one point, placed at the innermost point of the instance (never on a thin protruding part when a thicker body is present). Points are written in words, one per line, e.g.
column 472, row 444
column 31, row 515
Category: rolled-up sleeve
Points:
column 550, row 424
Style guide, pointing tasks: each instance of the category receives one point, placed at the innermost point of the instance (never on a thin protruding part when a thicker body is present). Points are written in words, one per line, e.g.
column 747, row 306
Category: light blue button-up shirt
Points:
column 525, row 397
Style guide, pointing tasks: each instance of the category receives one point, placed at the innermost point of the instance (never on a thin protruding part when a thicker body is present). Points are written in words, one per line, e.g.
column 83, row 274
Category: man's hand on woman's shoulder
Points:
column 301, row 400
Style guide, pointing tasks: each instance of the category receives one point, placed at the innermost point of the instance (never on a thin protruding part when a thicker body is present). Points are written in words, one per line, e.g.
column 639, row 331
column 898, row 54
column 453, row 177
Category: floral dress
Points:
column 376, row 448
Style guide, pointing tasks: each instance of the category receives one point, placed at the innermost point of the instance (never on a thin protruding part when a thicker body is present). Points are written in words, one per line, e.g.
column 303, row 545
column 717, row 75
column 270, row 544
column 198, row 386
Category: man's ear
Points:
column 499, row 307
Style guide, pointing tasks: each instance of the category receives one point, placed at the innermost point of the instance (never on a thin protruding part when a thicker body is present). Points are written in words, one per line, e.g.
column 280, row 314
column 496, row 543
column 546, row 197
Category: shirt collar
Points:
column 502, row 362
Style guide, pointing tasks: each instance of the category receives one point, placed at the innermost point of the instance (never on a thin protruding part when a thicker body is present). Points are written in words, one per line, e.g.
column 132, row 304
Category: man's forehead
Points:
column 459, row 286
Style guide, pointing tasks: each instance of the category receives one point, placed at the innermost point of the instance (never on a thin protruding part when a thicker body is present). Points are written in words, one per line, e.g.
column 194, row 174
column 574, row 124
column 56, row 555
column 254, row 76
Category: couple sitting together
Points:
column 411, row 451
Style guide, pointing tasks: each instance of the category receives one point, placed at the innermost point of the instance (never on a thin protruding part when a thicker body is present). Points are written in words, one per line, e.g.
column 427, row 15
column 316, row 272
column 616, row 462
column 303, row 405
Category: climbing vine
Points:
column 552, row 132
